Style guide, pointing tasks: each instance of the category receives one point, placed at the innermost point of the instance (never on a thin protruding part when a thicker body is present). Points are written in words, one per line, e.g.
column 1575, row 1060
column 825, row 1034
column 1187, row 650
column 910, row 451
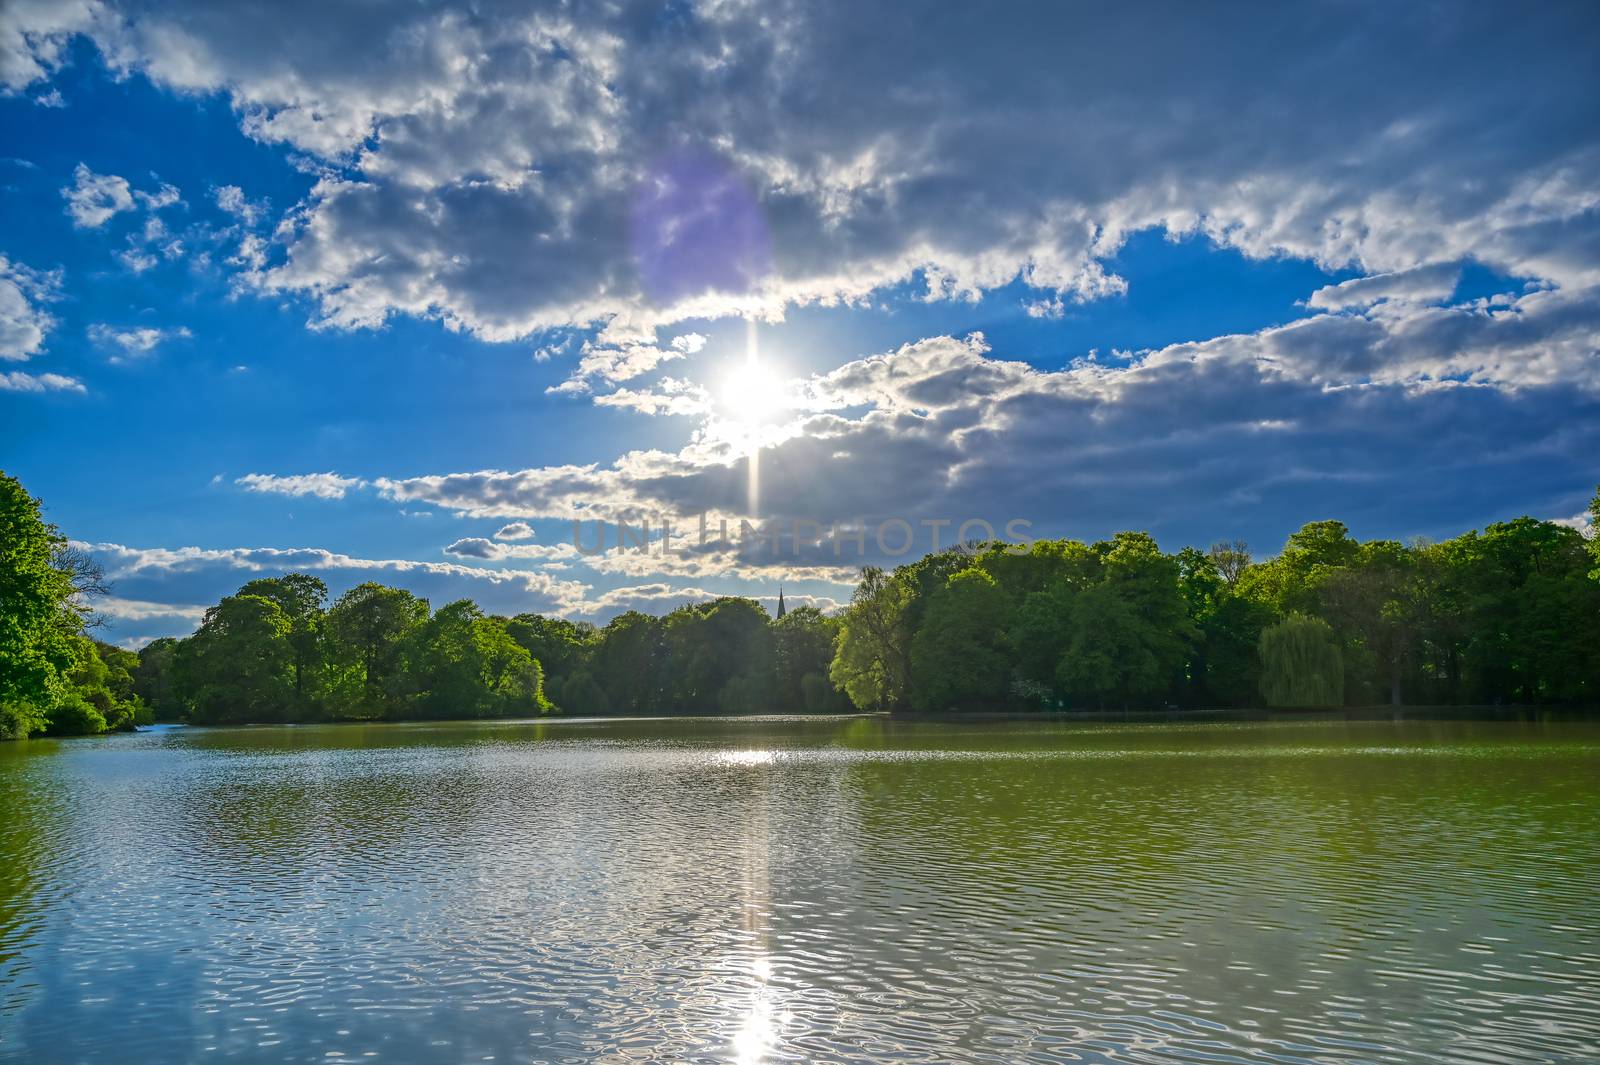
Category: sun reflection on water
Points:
column 756, row 757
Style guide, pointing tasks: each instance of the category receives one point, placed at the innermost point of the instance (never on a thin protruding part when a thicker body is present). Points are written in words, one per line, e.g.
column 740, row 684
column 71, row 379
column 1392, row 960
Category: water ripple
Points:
column 805, row 890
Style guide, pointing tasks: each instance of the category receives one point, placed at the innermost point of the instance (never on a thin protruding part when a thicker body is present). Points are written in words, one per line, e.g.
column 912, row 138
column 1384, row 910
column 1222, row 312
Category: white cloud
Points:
column 1431, row 283
column 232, row 200
column 655, row 597
column 1403, row 395
column 613, row 363
column 508, row 173
column 93, row 198
column 1582, row 521
column 17, row 381
column 136, row 260
column 667, row 396
column 489, row 550
column 34, row 35
column 217, row 571
column 320, row 485
column 143, row 610
column 136, row 342
column 23, row 322
column 165, row 196
column 517, row 530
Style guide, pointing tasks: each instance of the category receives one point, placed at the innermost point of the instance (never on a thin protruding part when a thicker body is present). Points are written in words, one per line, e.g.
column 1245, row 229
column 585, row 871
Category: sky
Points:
column 400, row 292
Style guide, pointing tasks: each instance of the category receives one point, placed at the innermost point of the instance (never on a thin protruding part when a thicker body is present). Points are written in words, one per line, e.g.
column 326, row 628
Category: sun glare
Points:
column 753, row 394
column 753, row 401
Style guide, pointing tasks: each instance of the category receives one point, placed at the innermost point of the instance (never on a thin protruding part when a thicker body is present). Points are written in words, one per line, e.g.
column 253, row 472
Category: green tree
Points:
column 1222, row 667
column 75, row 715
column 1534, row 614
column 956, row 655
column 39, row 619
column 1594, row 532
column 561, row 647
column 238, row 666
column 465, row 665
column 1045, row 564
column 628, row 663
column 582, row 694
column 1231, row 633
column 719, row 656
column 1372, row 603
column 1290, row 581
column 803, row 647
column 1230, row 559
column 1115, row 628
column 152, row 679
column 99, row 679
column 301, row 597
column 1148, row 634
column 366, row 629
column 1301, row 663
column 872, row 663
column 1038, row 635
column 1113, row 655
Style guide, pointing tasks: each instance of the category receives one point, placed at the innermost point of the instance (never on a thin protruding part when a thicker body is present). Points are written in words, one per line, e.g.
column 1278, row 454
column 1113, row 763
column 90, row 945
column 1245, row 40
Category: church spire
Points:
column 780, row 601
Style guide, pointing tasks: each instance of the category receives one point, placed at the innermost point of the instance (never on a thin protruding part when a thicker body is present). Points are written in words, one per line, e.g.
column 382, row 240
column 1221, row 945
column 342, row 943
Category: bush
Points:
column 18, row 720
column 75, row 716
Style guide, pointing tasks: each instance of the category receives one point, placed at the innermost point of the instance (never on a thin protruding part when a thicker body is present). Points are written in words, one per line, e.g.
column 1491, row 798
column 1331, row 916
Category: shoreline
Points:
column 1196, row 715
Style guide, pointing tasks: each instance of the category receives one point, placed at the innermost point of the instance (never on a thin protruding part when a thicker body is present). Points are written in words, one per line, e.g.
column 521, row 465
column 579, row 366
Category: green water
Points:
column 842, row 889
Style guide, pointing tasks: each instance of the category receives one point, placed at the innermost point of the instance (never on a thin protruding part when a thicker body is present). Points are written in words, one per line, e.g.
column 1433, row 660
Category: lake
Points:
column 806, row 890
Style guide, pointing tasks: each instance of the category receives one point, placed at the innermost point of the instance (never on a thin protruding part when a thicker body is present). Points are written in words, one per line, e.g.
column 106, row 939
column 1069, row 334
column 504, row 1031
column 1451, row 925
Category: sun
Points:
column 753, row 401
column 753, row 394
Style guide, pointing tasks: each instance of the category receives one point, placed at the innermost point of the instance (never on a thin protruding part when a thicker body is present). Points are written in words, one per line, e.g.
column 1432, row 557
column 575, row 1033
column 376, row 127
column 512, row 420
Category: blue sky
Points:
column 355, row 290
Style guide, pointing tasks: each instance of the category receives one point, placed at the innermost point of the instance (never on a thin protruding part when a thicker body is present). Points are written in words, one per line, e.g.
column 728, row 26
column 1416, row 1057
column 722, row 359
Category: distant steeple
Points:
column 780, row 601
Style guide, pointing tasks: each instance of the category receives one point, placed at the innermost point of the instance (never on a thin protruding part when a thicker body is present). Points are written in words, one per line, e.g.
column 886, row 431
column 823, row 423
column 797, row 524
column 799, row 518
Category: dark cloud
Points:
column 1424, row 422
column 506, row 167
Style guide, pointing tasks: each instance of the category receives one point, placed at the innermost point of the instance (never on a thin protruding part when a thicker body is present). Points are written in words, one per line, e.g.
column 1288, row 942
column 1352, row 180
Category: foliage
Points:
column 1594, row 532
column 238, row 667
column 872, row 662
column 1113, row 629
column 1301, row 664
column 75, row 715
column 627, row 663
column 463, row 664
column 561, row 648
column 1509, row 614
column 366, row 631
column 301, row 597
column 39, row 621
column 152, row 679
column 721, row 655
column 955, row 655
column 102, row 677
column 803, row 642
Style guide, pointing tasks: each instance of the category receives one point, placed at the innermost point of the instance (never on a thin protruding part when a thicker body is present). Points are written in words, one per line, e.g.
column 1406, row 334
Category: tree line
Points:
column 1507, row 615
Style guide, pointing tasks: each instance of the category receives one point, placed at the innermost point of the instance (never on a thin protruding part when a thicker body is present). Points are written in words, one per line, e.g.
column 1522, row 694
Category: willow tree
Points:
column 872, row 663
column 1301, row 663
